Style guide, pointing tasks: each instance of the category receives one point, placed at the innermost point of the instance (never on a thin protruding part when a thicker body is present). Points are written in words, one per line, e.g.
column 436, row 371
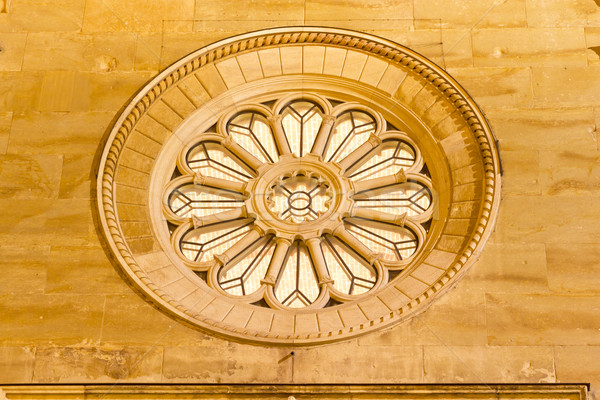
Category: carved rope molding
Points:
column 380, row 48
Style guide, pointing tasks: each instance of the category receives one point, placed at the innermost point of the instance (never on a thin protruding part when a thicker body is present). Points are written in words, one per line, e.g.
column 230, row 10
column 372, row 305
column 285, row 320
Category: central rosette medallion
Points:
column 298, row 197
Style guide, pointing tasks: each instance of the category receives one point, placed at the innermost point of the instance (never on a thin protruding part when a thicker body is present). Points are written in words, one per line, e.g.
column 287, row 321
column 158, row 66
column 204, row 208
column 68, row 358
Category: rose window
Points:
column 301, row 202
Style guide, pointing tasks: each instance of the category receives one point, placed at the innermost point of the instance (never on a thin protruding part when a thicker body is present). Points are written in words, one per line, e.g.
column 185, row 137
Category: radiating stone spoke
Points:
column 316, row 253
column 217, row 218
column 279, row 135
column 351, row 161
column 372, row 184
column 277, row 261
column 223, row 184
column 244, row 155
column 240, row 246
column 355, row 244
column 324, row 132
column 379, row 216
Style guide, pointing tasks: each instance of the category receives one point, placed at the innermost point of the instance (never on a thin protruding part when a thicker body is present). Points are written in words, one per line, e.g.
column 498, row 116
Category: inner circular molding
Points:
column 298, row 186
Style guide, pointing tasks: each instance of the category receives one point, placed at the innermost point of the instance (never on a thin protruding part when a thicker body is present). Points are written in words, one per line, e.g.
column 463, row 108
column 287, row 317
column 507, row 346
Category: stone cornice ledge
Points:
column 576, row 391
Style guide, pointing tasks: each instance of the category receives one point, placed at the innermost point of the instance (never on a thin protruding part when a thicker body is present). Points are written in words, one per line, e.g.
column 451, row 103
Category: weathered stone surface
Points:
column 12, row 48
column 569, row 365
column 30, row 176
column 24, row 269
column 97, row 364
column 548, row 219
column 543, row 128
column 570, row 172
column 487, row 13
column 46, row 222
column 74, row 51
column 5, row 126
column 117, row 16
column 522, row 172
column 496, row 87
column 58, row 133
column 75, row 269
column 534, row 320
column 566, row 86
column 529, row 46
column 592, row 43
column 564, row 13
column 38, row 319
column 573, row 268
column 16, row 364
column 130, row 320
column 457, row 48
column 43, row 16
column 346, row 363
column 456, row 319
column 520, row 269
column 244, row 363
column 514, row 364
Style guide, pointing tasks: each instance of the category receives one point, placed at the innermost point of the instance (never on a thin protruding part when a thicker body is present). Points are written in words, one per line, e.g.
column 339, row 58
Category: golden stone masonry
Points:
column 232, row 198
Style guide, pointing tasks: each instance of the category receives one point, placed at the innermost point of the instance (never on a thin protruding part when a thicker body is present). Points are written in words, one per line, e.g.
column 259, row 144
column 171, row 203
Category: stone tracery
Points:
column 299, row 207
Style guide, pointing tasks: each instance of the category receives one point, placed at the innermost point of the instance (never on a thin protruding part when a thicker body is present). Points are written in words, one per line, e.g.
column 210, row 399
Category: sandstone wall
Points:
column 528, row 311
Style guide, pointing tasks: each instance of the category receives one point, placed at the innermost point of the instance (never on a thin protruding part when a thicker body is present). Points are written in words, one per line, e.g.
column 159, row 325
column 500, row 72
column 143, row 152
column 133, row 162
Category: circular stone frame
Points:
column 214, row 79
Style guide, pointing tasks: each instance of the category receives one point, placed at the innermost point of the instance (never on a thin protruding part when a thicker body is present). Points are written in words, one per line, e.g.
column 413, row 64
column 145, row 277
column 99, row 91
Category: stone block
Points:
column 5, row 127
column 519, row 47
column 566, row 86
column 118, row 16
column 82, row 270
column 349, row 363
column 457, row 48
column 573, row 268
column 58, row 132
column 16, row 364
column 456, row 319
column 47, row 222
column 592, row 43
column 12, row 48
column 77, row 52
column 98, row 364
column 542, row 319
column 24, row 269
column 521, row 269
column 288, row 11
column 38, row 319
column 30, row 176
column 496, row 87
column 571, row 365
column 44, row 16
column 131, row 321
column 570, row 173
column 565, row 13
column 543, row 128
column 225, row 363
column 333, row 11
column 77, row 176
column 548, row 219
column 521, row 173
column 466, row 364
column 486, row 13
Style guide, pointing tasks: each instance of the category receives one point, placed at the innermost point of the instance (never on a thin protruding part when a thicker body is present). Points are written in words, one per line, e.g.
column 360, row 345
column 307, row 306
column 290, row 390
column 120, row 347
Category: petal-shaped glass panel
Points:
column 244, row 277
column 297, row 285
column 391, row 241
column 210, row 159
column 252, row 131
column 352, row 129
column 301, row 123
column 200, row 245
column 411, row 198
column 189, row 200
column 350, row 274
column 396, row 155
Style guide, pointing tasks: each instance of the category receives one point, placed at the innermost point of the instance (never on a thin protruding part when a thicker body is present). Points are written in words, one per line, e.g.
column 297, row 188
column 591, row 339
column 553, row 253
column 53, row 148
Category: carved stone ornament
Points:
column 298, row 186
